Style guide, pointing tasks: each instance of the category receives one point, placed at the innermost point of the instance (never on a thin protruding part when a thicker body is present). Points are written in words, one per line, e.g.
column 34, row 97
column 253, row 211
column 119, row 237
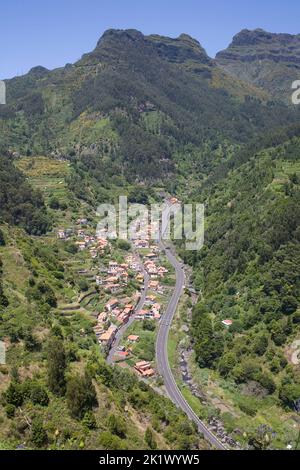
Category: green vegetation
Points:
column 20, row 205
column 154, row 116
column 56, row 390
column 251, row 280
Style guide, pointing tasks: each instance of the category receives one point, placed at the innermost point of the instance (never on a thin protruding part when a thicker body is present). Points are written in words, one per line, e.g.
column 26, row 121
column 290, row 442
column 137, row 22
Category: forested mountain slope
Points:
column 248, row 273
column 19, row 204
column 135, row 100
column 142, row 115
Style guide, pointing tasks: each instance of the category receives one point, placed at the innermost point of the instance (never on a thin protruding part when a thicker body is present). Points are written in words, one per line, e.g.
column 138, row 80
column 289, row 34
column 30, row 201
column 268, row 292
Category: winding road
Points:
column 162, row 353
column 162, row 360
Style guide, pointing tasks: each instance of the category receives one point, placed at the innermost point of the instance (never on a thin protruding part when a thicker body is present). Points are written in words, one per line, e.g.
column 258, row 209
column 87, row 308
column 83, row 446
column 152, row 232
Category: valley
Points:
column 141, row 343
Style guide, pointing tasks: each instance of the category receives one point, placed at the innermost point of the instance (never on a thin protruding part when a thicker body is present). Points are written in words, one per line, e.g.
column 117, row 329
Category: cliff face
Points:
column 270, row 61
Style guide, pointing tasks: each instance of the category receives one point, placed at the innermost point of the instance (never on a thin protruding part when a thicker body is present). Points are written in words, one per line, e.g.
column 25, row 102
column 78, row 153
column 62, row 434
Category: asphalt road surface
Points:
column 162, row 352
column 162, row 342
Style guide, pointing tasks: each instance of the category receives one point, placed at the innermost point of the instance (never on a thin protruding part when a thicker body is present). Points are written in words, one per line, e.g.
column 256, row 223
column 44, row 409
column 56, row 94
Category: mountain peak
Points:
column 247, row 36
column 260, row 36
column 38, row 71
column 268, row 60
column 128, row 34
column 189, row 40
column 179, row 49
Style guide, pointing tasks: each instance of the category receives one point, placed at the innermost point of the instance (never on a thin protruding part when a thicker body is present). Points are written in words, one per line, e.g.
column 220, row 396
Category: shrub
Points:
column 54, row 203
column 289, row 394
column 267, row 382
column 117, row 426
column 247, row 408
column 227, row 363
column 89, row 420
column 123, row 245
column 148, row 325
column 110, row 442
column 38, row 434
column 14, row 394
column 81, row 395
column 10, row 410
column 149, row 439
column 39, row 396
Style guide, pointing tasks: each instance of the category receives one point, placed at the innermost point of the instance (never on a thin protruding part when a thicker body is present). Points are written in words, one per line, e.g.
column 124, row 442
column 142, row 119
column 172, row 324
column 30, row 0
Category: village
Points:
column 131, row 286
column 121, row 283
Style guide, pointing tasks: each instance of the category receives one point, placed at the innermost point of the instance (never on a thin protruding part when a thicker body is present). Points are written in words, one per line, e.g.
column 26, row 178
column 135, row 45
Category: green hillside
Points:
column 147, row 116
column 248, row 272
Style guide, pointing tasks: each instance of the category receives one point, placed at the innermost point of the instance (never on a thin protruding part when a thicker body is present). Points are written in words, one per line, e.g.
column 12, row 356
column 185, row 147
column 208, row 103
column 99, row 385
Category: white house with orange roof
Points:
column 111, row 304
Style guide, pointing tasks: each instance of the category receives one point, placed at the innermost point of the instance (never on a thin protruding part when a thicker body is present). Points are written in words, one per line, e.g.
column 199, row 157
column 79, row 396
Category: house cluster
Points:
column 115, row 314
column 120, row 313
column 95, row 244
column 152, row 310
column 115, row 277
column 143, row 234
column 155, row 270
column 65, row 234
column 144, row 369
column 117, row 311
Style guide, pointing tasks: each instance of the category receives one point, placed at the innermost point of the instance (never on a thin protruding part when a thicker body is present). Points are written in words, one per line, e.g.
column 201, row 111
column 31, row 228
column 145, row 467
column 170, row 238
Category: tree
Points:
column 248, row 369
column 81, row 395
column 123, row 245
column 117, row 426
column 31, row 342
column 149, row 439
column 209, row 345
column 267, row 382
column 138, row 196
column 148, row 325
column 289, row 394
column 260, row 344
column 56, row 366
column 83, row 285
column 54, row 203
column 277, row 333
column 289, row 305
column 71, row 248
column 38, row 434
column 2, row 239
column 14, row 394
column 3, row 298
column 227, row 363
column 296, row 317
column 39, row 395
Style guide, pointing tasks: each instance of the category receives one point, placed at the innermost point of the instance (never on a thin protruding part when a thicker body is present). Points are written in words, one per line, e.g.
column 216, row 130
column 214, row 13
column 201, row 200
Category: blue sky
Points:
column 54, row 32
